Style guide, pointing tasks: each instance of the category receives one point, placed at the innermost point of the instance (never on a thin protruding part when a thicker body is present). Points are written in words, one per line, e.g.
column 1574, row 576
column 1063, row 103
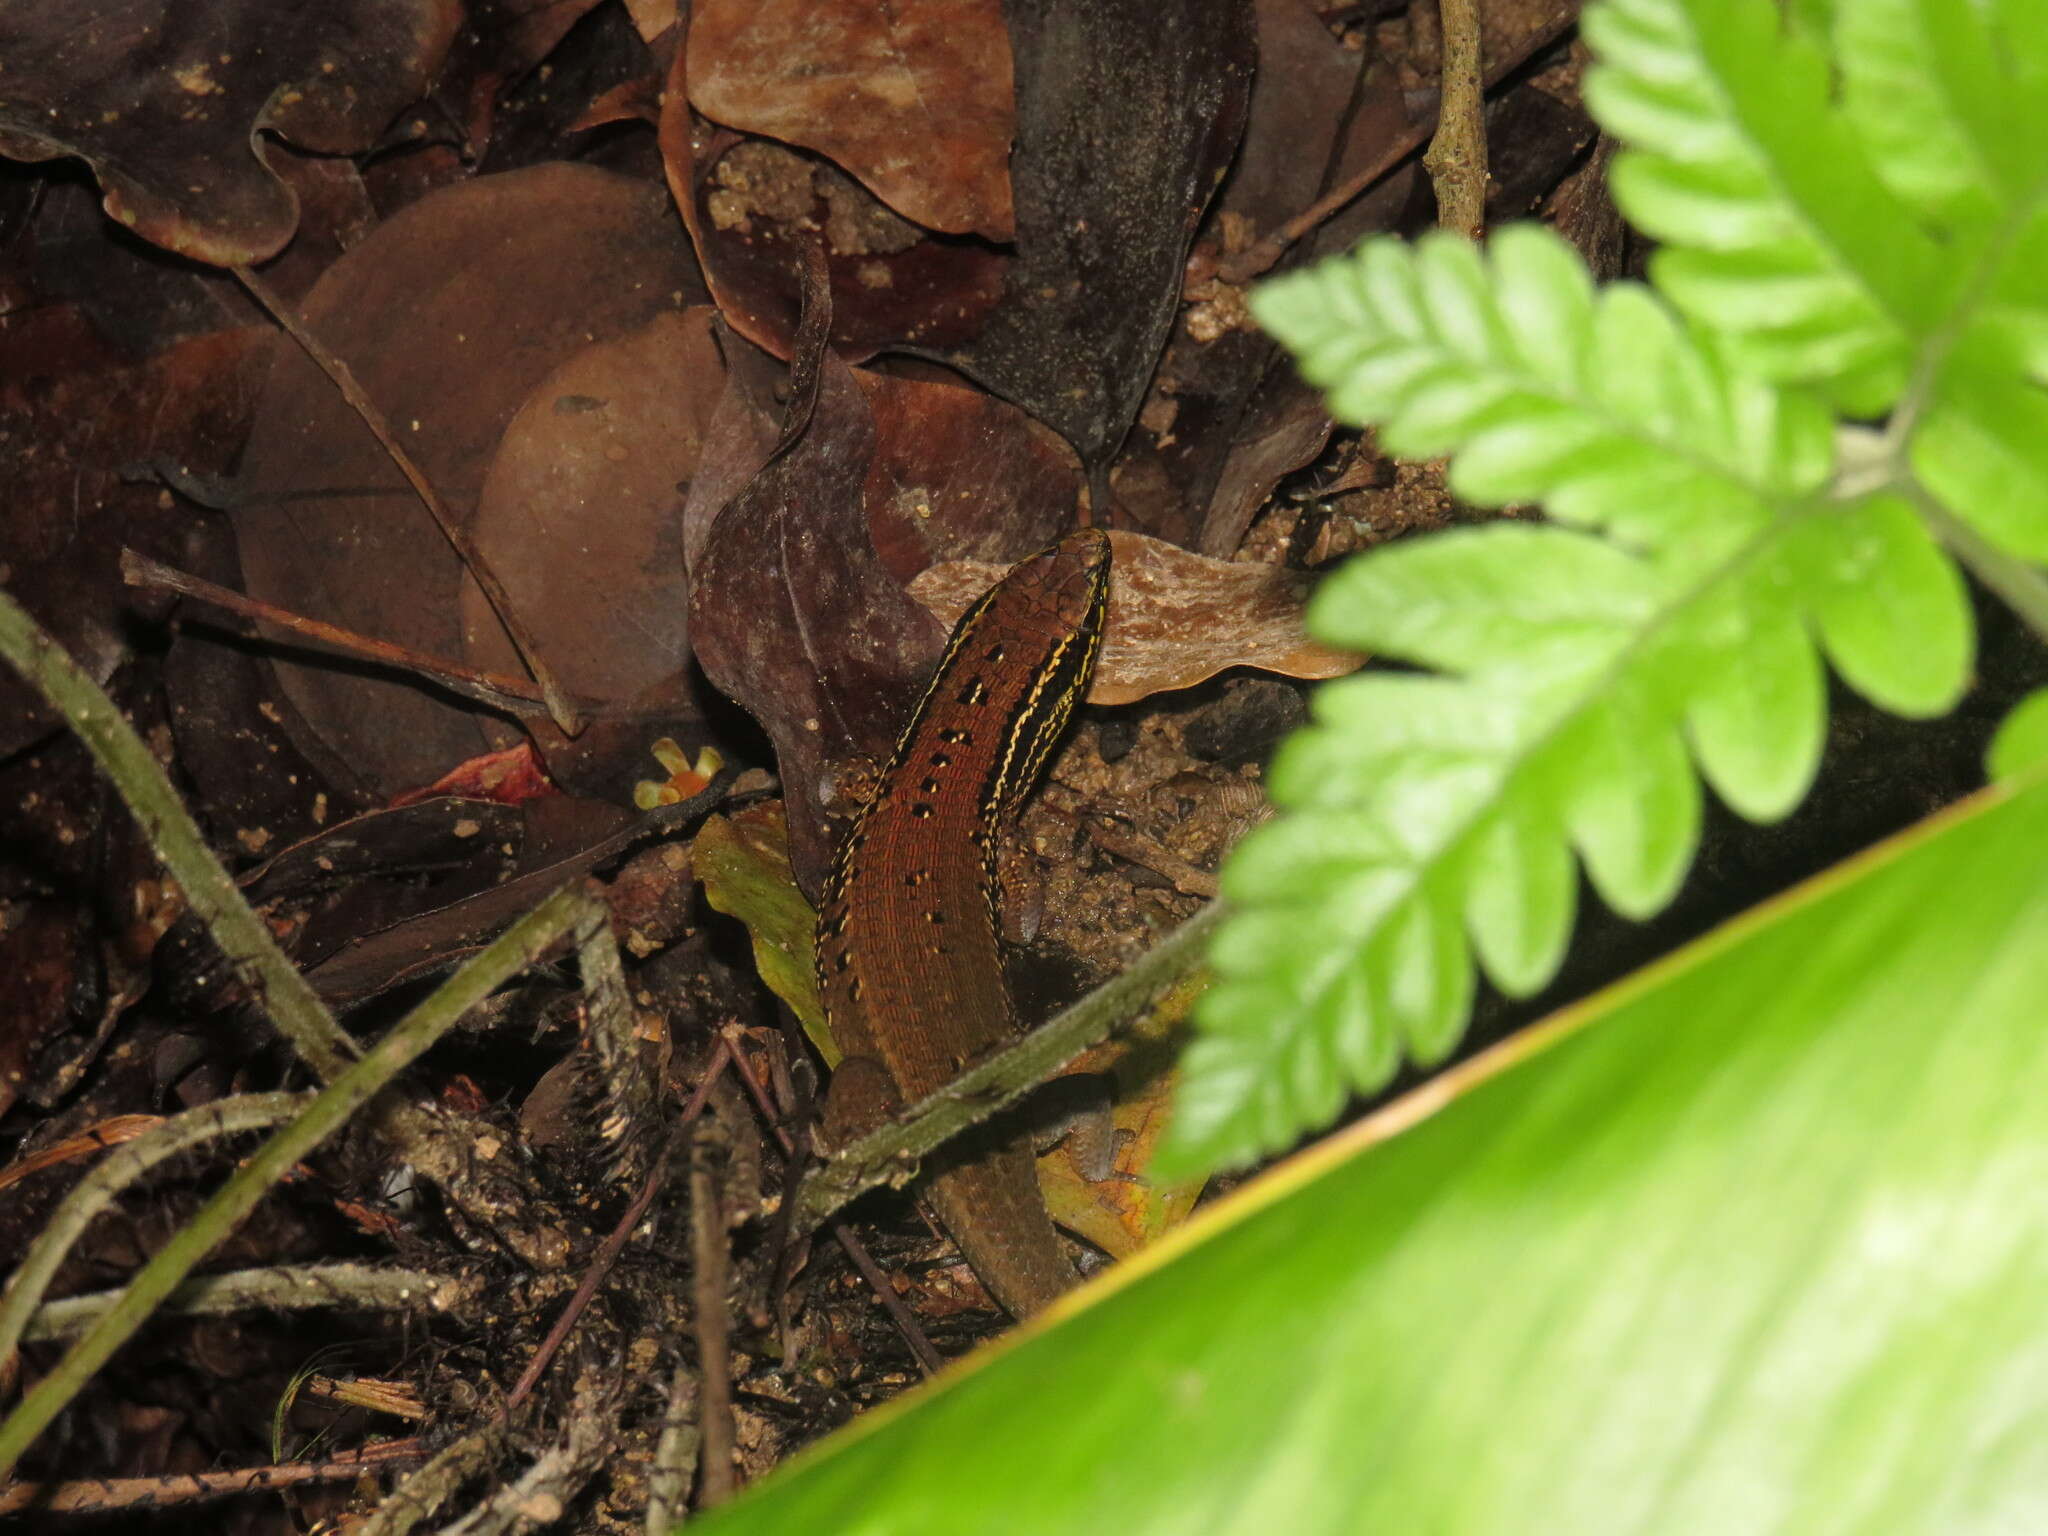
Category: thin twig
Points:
column 921, row 1347
column 89, row 1142
column 539, row 1496
column 559, row 705
column 515, row 695
column 1456, row 158
column 279, row 1288
column 1260, row 258
column 1149, row 853
column 675, row 1454
column 890, row 1153
column 569, row 910
column 421, row 1495
column 615, row 1243
column 631, row 1121
column 710, row 1281
column 104, row 1495
column 175, row 839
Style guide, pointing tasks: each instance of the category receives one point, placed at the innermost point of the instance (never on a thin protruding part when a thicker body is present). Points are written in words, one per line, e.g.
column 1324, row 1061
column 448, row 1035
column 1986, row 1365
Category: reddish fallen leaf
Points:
column 960, row 475
column 169, row 103
column 913, row 98
column 754, row 208
column 511, row 777
column 450, row 315
column 1176, row 618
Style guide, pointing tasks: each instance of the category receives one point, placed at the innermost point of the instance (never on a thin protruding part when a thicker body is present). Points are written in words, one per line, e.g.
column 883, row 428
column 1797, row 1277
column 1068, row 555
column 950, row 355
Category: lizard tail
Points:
column 993, row 1210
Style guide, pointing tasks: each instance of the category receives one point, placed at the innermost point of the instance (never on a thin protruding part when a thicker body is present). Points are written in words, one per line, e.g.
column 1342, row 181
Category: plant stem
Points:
column 282, row 1288
column 891, row 1152
column 568, row 909
column 299, row 1014
column 2021, row 585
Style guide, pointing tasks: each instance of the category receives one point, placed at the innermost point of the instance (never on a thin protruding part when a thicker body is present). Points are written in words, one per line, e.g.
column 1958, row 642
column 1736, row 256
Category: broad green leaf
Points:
column 1640, row 428
column 1751, row 1242
column 1776, row 228
column 1521, row 918
column 1979, row 441
column 1630, row 801
column 1757, row 713
column 743, row 862
column 1983, row 450
column 2021, row 745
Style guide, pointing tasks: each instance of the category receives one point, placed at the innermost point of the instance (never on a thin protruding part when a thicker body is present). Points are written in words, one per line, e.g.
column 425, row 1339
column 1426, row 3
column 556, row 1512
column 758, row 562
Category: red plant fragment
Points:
column 511, row 777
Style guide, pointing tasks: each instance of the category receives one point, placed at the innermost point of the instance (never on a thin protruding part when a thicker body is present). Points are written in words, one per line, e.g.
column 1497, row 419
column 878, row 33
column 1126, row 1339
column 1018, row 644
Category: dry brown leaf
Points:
column 913, row 98
column 1176, row 618
column 580, row 513
column 170, row 103
column 451, row 314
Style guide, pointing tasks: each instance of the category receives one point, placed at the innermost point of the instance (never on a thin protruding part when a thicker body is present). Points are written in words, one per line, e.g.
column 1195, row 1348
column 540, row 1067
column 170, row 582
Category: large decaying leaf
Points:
column 580, row 516
column 1751, row 1242
column 794, row 615
column 578, row 513
column 450, row 315
column 913, row 98
column 756, row 210
column 168, row 103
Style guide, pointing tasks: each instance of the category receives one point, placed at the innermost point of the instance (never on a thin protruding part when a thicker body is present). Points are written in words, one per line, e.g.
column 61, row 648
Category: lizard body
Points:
column 909, row 965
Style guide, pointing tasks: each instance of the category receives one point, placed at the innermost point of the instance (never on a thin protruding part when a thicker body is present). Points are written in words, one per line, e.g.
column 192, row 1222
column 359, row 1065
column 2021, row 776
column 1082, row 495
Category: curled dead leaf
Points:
column 1176, row 618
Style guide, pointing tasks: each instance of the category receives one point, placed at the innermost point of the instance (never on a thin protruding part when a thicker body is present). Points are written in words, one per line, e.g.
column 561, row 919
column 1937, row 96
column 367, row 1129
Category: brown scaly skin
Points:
column 908, row 963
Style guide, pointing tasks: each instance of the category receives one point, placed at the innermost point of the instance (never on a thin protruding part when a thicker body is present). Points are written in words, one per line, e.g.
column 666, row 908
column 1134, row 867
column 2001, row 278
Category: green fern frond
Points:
column 1577, row 673
column 1981, row 443
column 1953, row 117
column 1777, row 229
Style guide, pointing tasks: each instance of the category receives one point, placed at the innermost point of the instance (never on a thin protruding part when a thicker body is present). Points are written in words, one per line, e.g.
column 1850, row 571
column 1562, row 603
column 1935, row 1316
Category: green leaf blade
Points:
column 1752, row 1241
column 2021, row 745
